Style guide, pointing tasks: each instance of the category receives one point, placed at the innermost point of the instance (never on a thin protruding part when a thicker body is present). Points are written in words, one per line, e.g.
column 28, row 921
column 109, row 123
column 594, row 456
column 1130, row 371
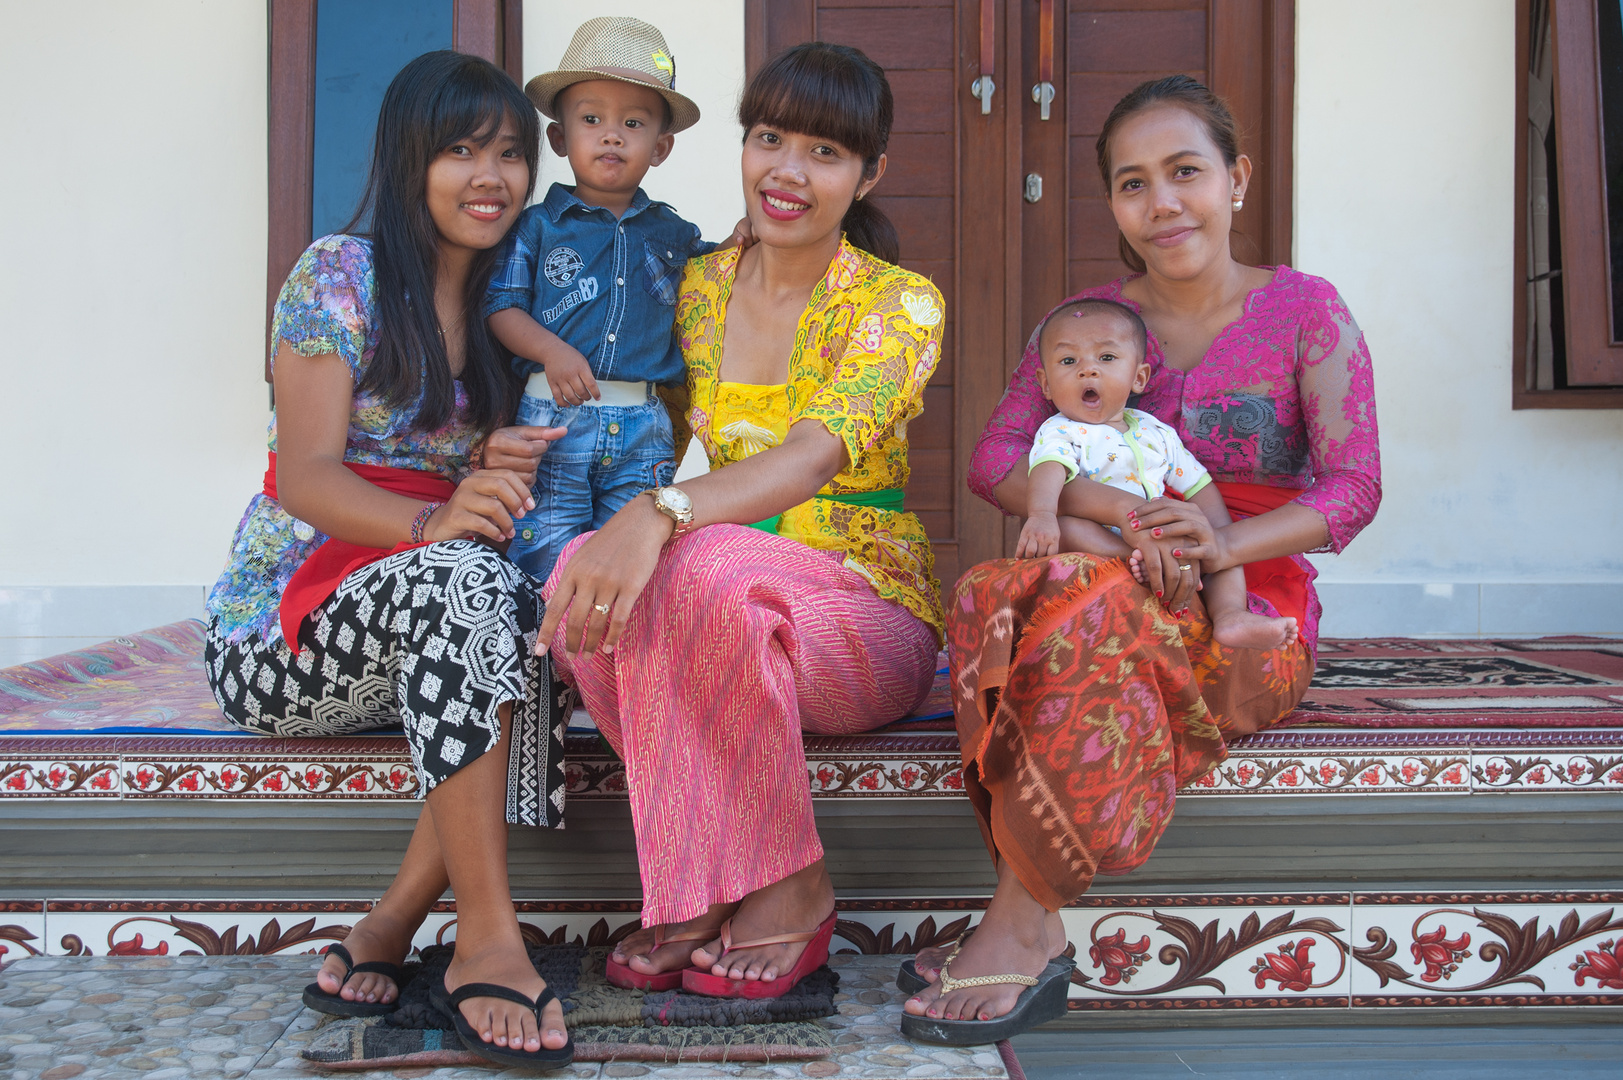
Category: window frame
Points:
column 1586, row 277
column 493, row 29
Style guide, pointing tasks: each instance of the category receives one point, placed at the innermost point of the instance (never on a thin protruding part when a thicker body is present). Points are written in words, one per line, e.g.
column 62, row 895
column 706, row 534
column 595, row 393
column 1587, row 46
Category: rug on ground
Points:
column 606, row 1022
column 152, row 683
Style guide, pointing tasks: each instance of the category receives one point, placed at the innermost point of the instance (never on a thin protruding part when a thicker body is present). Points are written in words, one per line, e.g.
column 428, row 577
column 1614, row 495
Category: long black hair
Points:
column 436, row 101
column 831, row 92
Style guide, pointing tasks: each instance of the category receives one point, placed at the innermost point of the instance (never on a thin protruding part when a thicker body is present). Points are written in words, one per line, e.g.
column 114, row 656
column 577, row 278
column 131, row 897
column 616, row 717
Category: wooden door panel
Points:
column 914, row 163
column 1137, row 40
column 895, row 37
column 924, row 101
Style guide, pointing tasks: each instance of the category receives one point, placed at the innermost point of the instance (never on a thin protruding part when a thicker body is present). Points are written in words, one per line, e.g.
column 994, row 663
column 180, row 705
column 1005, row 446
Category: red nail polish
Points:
column 1176, row 553
column 1158, row 594
column 1155, row 532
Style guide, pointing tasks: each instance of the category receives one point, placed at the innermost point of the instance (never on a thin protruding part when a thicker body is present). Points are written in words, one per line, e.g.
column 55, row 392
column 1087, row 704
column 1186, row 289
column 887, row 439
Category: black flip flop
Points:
column 908, row 979
column 333, row 1005
column 503, row 1055
column 1036, row 1005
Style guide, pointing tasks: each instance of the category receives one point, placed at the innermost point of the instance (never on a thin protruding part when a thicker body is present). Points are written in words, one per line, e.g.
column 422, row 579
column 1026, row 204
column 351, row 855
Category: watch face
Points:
column 676, row 499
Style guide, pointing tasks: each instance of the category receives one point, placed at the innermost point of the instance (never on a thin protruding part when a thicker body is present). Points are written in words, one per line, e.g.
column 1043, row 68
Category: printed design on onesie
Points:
column 561, row 266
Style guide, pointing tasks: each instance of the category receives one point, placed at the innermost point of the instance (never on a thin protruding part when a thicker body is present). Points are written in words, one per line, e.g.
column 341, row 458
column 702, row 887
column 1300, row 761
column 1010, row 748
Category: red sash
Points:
column 1282, row 581
column 314, row 582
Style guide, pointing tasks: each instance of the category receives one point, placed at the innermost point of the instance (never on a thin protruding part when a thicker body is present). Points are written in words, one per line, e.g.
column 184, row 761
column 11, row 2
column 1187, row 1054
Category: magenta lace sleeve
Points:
column 1338, row 403
column 1009, row 433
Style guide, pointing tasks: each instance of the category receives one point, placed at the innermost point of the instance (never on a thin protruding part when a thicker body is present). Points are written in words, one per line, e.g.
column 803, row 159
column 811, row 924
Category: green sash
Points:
column 885, row 499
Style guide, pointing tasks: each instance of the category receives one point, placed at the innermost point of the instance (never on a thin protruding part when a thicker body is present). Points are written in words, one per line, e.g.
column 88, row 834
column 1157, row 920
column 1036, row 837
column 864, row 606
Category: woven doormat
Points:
column 607, row 1022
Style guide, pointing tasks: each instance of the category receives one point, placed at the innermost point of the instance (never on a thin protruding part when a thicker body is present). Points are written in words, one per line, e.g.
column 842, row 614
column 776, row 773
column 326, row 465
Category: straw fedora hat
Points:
column 618, row 48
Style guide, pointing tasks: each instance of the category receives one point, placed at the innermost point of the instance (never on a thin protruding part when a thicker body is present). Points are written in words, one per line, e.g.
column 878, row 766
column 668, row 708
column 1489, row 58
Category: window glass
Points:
column 360, row 45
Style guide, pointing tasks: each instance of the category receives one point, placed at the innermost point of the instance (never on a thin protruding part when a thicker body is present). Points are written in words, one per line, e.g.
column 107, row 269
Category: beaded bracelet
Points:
column 420, row 522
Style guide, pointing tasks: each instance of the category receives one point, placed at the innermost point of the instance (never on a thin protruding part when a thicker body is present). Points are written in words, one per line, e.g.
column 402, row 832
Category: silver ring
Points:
column 601, row 609
column 1186, row 566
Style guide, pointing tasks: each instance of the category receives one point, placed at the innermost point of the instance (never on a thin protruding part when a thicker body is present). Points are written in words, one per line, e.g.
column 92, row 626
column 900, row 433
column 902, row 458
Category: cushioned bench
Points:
column 133, row 717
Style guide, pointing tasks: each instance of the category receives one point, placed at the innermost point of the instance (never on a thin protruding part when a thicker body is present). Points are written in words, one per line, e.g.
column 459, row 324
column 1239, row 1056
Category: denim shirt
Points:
column 606, row 287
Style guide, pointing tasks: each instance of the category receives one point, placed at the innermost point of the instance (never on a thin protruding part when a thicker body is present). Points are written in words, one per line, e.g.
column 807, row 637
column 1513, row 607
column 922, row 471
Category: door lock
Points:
column 1043, row 95
column 1034, row 187
column 983, row 89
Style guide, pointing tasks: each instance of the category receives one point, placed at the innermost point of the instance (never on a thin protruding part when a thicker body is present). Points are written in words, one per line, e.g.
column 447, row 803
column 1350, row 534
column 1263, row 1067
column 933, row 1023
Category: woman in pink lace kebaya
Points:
column 1083, row 698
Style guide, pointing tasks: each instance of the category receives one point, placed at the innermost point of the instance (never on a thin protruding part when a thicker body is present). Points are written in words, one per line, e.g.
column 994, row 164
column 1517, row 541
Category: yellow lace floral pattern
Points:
column 865, row 348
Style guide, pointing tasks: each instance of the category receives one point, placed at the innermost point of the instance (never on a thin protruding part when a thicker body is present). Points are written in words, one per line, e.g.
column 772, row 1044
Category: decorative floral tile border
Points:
column 1432, row 772
column 1487, row 949
column 864, row 767
column 1332, row 950
column 22, row 929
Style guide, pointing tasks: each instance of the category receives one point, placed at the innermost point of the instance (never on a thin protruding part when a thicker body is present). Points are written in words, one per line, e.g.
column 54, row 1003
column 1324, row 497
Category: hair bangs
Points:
column 473, row 105
column 818, row 90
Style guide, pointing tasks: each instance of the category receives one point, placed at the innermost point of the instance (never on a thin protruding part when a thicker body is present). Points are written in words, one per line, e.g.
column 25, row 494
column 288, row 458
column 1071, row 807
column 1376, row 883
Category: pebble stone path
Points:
column 232, row 1017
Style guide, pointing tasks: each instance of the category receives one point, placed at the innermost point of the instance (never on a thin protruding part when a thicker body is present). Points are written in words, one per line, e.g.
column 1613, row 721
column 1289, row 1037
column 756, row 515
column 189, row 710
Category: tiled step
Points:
column 1310, row 761
column 1333, row 953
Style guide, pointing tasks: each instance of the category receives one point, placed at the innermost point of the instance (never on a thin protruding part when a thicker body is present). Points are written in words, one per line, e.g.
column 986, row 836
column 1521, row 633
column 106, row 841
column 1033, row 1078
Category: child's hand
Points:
column 570, row 376
column 1039, row 537
column 743, row 236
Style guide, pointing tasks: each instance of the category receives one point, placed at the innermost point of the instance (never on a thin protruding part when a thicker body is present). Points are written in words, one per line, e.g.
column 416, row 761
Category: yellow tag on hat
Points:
column 664, row 63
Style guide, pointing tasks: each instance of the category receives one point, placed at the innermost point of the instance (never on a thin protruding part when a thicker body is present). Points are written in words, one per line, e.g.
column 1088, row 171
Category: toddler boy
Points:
column 585, row 286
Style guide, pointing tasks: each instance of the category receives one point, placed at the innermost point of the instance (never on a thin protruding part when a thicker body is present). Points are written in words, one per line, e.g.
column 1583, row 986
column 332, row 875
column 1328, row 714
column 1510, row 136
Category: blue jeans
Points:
column 611, row 455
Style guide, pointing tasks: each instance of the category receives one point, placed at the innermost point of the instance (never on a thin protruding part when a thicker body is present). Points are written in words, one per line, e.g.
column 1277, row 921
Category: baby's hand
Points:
column 1039, row 537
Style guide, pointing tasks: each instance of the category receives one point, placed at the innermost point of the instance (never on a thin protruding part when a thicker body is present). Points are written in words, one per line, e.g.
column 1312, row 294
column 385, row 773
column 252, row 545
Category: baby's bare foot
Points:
column 1247, row 630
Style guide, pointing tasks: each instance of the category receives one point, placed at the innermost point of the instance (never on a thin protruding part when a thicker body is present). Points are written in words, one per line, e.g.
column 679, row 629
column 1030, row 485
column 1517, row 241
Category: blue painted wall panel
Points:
column 360, row 45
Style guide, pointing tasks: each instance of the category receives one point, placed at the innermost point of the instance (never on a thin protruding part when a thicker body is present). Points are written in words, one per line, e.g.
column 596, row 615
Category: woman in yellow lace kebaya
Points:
column 889, row 323
column 707, row 626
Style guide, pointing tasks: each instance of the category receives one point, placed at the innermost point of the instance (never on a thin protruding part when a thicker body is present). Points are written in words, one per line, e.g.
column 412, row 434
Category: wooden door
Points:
column 956, row 182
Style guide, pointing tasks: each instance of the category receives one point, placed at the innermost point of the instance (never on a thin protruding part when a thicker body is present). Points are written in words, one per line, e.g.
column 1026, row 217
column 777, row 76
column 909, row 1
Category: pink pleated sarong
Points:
column 741, row 641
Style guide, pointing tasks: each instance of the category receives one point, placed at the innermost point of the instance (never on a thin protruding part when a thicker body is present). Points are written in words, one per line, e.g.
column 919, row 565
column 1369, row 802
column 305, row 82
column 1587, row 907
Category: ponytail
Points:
column 867, row 227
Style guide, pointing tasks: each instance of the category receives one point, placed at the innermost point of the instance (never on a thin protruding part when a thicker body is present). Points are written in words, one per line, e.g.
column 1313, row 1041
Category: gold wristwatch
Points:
column 674, row 503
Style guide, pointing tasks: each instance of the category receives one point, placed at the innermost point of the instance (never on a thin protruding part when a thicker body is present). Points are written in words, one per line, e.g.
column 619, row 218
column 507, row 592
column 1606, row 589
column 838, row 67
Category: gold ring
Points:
column 603, row 609
column 1186, row 566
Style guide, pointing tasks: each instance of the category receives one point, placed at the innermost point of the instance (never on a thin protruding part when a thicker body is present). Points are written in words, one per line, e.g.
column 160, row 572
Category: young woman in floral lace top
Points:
column 787, row 589
column 1101, row 695
column 364, row 588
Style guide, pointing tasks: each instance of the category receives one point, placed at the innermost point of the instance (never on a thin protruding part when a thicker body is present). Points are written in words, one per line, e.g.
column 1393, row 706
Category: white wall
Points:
column 701, row 178
column 1404, row 195
column 132, row 291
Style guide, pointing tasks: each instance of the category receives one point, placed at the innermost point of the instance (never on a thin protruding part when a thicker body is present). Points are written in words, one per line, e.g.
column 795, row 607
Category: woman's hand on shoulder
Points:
column 482, row 508
column 517, row 449
column 600, row 584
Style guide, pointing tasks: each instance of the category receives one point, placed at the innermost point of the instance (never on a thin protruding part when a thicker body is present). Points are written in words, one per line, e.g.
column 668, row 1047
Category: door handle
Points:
column 1043, row 92
column 983, row 87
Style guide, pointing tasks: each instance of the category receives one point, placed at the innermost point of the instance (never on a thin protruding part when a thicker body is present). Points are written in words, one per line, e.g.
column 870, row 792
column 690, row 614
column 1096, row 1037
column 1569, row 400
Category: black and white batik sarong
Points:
column 433, row 639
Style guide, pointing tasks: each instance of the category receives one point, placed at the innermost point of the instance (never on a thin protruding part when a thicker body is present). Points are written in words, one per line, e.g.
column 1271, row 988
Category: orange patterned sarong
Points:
column 1082, row 706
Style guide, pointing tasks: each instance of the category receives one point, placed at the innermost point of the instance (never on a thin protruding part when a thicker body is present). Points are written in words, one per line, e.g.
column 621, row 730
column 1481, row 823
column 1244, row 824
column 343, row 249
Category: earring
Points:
column 1238, row 202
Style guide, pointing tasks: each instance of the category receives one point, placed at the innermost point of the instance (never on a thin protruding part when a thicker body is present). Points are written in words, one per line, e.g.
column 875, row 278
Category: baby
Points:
column 585, row 288
column 1093, row 359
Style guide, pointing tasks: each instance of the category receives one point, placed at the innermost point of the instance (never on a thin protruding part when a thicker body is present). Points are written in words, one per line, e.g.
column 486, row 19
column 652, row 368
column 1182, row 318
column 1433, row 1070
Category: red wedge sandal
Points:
column 695, row 981
column 624, row 975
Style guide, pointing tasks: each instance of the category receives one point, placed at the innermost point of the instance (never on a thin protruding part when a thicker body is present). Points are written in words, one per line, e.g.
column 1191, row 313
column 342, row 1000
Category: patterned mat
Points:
column 152, row 683
column 606, row 1022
